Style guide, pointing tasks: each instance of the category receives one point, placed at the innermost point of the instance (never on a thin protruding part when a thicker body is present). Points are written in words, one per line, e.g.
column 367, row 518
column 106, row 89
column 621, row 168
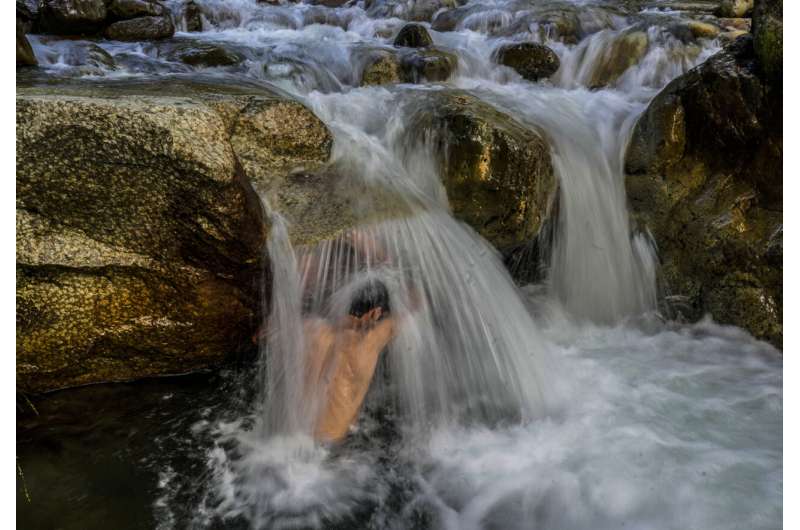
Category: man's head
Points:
column 371, row 295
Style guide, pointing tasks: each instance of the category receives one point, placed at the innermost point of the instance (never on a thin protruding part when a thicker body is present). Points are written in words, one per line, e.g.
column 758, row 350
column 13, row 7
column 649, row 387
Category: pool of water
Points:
column 665, row 426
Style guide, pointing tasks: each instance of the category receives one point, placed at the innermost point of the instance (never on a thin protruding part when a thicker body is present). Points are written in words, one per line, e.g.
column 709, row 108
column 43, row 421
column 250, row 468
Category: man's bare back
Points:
column 341, row 364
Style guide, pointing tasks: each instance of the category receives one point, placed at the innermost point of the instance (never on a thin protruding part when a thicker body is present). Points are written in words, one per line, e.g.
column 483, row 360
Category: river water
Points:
column 565, row 404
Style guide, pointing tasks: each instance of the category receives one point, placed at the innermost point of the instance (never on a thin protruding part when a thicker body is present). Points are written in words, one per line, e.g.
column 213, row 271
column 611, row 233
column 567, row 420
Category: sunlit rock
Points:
column 625, row 51
column 704, row 174
column 702, row 30
column 497, row 172
column 139, row 235
column 409, row 66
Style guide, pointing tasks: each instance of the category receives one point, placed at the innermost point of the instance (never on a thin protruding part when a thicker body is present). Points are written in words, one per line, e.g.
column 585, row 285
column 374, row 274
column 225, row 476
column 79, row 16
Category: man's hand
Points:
column 365, row 321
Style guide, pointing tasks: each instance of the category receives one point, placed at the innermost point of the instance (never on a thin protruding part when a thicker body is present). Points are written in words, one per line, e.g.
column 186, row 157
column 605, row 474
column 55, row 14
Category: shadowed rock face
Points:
column 139, row 236
column 25, row 55
column 72, row 17
column 768, row 38
column 498, row 174
column 704, row 174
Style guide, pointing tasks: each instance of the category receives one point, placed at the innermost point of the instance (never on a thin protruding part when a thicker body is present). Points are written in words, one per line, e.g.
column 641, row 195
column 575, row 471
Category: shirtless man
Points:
column 341, row 361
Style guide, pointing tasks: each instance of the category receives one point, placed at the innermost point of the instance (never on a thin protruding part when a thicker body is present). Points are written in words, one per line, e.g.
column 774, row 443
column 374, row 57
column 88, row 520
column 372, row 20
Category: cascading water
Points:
column 481, row 415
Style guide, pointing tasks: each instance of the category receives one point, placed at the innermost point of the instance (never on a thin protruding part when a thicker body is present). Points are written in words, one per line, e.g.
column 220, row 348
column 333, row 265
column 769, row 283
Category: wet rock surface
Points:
column 704, row 174
column 25, row 55
column 531, row 60
column 141, row 28
column 413, row 36
column 497, row 173
column 768, row 38
column 72, row 17
column 139, row 236
column 204, row 54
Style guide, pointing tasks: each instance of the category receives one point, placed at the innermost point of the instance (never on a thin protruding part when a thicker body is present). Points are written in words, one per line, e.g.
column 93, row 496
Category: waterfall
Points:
column 475, row 360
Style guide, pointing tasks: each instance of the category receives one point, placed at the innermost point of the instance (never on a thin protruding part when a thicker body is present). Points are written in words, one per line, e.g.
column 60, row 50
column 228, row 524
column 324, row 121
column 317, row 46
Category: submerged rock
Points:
column 409, row 66
column 413, row 36
column 205, row 54
column 531, row 60
column 705, row 176
column 382, row 68
column 141, row 28
column 139, row 236
column 625, row 51
column 192, row 16
column 430, row 65
column 498, row 173
column 72, row 17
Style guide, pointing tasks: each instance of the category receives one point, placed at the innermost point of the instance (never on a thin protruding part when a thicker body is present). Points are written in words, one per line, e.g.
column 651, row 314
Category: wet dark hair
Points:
column 371, row 295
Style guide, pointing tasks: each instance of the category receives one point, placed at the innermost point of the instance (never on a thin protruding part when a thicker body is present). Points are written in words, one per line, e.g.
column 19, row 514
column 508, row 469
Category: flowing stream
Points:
column 565, row 404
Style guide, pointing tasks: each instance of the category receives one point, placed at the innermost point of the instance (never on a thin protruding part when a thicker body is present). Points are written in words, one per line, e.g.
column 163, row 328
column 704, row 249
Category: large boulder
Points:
column 498, row 173
column 139, row 235
column 705, row 176
column 72, row 17
column 768, row 39
column 141, row 28
column 531, row 60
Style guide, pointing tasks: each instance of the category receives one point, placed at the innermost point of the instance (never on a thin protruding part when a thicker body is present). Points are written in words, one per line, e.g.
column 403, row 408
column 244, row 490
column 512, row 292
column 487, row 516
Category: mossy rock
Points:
column 768, row 39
